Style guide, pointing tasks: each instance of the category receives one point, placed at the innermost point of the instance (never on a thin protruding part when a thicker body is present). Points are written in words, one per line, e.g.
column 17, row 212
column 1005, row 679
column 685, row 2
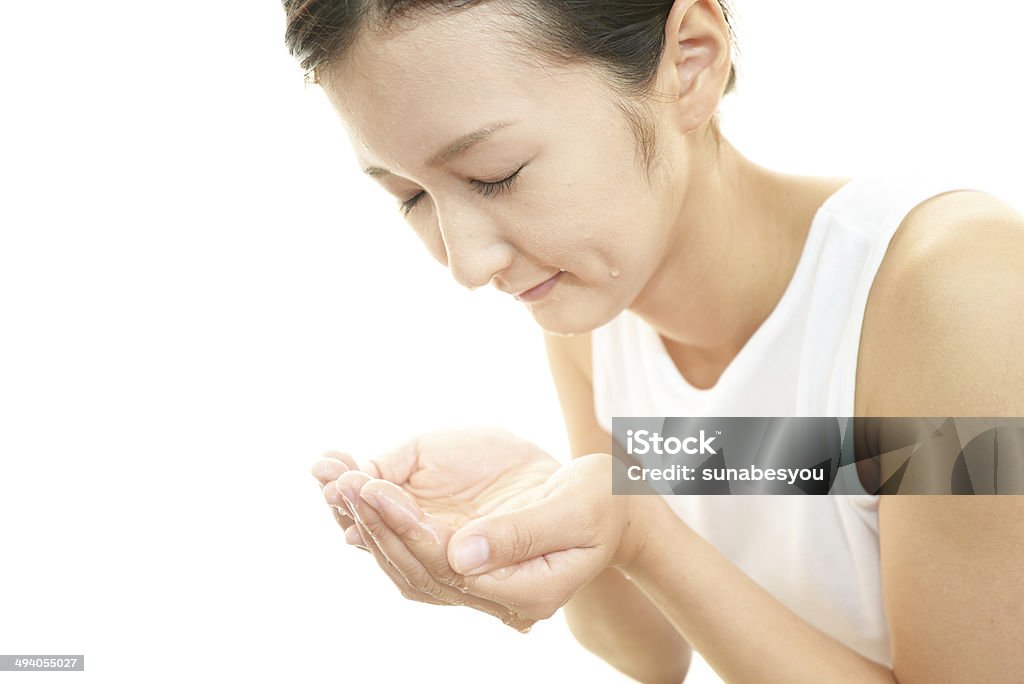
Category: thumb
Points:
column 503, row 539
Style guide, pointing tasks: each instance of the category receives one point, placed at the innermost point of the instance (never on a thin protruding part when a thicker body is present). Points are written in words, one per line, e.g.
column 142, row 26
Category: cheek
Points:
column 591, row 239
column 627, row 253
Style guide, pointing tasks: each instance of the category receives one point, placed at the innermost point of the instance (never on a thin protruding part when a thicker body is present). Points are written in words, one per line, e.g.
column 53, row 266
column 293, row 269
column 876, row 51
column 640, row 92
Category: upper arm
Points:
column 569, row 361
column 945, row 341
column 951, row 586
column 944, row 323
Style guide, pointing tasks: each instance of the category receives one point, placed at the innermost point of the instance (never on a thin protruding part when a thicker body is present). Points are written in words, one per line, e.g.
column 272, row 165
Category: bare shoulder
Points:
column 944, row 311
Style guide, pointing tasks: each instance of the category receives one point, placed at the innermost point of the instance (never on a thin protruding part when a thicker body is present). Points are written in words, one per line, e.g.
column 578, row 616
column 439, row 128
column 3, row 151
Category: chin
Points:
column 566, row 318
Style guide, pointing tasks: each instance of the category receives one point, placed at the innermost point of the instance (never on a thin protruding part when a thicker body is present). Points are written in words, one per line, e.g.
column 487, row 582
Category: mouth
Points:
column 538, row 291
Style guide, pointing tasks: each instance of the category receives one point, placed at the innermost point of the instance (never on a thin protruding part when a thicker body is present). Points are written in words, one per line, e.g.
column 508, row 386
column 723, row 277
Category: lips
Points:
column 538, row 291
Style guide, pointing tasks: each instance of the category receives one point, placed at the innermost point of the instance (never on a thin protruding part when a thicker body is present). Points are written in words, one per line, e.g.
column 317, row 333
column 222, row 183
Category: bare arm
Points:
column 944, row 340
column 610, row 616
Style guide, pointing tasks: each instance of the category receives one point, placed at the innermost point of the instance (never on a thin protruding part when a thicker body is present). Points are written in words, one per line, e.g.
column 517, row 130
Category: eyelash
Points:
column 485, row 189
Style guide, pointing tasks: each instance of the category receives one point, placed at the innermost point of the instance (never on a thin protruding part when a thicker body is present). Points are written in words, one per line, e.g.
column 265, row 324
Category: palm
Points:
column 459, row 475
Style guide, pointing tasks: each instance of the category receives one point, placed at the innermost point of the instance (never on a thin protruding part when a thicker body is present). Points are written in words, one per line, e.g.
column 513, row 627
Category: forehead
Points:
column 403, row 93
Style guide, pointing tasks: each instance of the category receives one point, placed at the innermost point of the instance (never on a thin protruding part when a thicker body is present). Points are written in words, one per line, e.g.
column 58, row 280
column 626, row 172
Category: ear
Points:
column 694, row 70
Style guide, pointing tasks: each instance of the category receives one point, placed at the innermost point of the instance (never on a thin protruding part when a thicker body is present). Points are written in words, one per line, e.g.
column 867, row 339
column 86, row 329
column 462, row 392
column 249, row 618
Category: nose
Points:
column 475, row 248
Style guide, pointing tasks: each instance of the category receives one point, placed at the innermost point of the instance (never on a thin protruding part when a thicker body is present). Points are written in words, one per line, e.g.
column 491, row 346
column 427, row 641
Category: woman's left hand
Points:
column 532, row 559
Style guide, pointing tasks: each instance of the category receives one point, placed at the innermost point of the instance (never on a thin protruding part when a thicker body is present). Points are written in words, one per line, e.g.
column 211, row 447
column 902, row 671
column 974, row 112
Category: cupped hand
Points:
column 428, row 488
column 486, row 519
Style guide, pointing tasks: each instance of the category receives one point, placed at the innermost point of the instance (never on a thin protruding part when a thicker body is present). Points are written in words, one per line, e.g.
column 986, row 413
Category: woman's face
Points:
column 574, row 196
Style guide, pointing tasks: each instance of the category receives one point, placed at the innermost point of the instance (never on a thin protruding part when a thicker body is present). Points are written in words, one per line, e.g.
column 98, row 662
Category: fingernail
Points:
column 332, row 496
column 327, row 470
column 372, row 499
column 471, row 553
column 352, row 536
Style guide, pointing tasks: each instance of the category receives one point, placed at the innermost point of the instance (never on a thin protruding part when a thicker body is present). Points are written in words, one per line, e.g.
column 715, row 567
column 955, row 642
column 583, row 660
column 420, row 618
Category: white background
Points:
column 199, row 293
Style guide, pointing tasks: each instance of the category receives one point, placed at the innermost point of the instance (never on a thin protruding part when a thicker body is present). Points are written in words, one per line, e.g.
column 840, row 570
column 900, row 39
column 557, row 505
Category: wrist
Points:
column 639, row 533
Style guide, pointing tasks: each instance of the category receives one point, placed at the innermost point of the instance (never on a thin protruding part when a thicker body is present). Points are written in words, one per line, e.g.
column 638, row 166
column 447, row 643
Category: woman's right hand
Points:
column 439, row 481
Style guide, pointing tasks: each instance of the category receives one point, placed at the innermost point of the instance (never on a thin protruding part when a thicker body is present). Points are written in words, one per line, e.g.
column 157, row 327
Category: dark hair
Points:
column 624, row 37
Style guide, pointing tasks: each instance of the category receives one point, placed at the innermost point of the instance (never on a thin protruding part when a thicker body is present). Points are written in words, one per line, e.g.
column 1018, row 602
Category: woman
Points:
column 569, row 155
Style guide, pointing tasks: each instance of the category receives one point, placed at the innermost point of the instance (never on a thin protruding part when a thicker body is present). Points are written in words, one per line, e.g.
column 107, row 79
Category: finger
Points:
column 337, row 505
column 535, row 558
column 423, row 536
column 341, row 517
column 416, row 544
column 396, row 465
column 328, row 470
column 538, row 587
column 410, row 531
column 344, row 520
column 349, row 485
column 345, row 458
column 333, row 496
column 352, row 537
column 508, row 538
column 332, row 465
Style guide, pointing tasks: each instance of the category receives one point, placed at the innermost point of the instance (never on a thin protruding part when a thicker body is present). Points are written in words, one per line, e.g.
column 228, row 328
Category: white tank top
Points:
column 818, row 555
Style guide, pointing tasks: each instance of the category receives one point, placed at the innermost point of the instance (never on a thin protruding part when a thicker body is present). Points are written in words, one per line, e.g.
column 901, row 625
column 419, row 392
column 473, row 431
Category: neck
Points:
column 737, row 238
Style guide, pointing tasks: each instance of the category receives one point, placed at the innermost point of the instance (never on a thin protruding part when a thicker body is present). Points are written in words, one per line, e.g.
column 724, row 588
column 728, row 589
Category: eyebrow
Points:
column 453, row 150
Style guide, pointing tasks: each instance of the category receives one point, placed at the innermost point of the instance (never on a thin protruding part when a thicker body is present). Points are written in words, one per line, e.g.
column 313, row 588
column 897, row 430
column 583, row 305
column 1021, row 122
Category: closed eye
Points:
column 484, row 188
column 491, row 189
